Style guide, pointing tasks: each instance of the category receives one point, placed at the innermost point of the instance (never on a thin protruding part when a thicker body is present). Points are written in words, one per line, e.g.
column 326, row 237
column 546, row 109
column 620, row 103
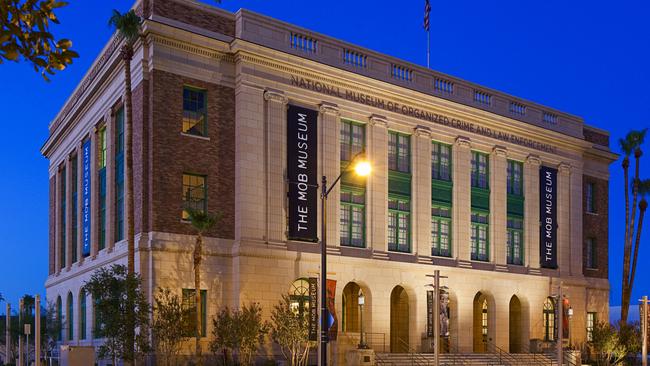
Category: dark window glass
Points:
column 441, row 161
column 82, row 315
column 399, row 221
column 515, row 178
column 75, row 193
column 352, row 139
column 479, row 237
column 589, row 193
column 352, row 217
column 399, row 147
column 64, row 179
column 189, row 303
column 592, row 253
column 194, row 111
column 515, row 244
column 480, row 170
column 441, row 231
column 119, row 175
column 194, row 194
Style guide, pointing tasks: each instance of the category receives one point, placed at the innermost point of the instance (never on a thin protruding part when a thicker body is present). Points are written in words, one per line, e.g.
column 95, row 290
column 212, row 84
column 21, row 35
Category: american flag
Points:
column 427, row 10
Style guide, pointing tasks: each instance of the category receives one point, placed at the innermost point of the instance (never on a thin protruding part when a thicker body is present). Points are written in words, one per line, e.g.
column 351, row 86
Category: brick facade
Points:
column 595, row 226
column 191, row 14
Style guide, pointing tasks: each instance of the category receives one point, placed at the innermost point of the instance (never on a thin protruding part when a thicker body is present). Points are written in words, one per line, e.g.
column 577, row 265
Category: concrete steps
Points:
column 467, row 359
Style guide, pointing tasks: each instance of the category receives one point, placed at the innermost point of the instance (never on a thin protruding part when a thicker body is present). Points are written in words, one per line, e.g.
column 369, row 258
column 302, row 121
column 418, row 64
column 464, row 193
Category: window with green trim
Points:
column 82, row 315
column 194, row 111
column 189, row 304
column 75, row 193
column 353, row 216
column 64, row 179
column 440, row 161
column 480, row 170
column 441, row 231
column 399, row 156
column 70, row 317
column 399, row 222
column 59, row 317
column 515, row 243
column 515, row 178
column 479, row 236
column 101, row 173
column 119, row 175
column 352, row 139
column 194, row 194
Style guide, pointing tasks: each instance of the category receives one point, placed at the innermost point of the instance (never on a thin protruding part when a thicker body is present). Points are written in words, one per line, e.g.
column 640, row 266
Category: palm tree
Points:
column 202, row 222
column 128, row 27
column 643, row 189
column 632, row 142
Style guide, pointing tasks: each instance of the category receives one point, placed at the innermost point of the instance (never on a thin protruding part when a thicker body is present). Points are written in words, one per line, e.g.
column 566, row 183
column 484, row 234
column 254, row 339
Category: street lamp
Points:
column 569, row 313
column 362, row 339
column 362, row 168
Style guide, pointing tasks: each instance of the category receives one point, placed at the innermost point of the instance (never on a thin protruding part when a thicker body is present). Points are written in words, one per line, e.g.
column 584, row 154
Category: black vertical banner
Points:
column 313, row 308
column 302, row 160
column 430, row 306
column 548, row 217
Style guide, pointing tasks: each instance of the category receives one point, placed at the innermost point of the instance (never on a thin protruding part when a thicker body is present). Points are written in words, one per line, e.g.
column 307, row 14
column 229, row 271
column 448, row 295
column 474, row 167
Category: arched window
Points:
column 350, row 311
column 484, row 320
column 70, row 319
column 549, row 319
column 82, row 314
column 299, row 295
column 59, row 316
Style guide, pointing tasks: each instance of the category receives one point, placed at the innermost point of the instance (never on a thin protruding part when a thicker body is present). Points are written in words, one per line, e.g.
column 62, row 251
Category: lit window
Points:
column 399, row 212
column 441, row 231
column 194, row 111
column 299, row 296
column 479, row 236
column 549, row 319
column 352, row 216
column 591, row 323
column 515, row 181
column 515, row 241
column 399, row 147
column 194, row 194
column 441, row 161
column 480, row 170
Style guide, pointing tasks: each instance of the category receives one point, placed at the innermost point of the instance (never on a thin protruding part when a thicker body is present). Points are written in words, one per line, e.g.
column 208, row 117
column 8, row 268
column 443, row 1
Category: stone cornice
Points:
column 273, row 95
column 422, row 131
column 329, row 108
column 500, row 151
column 464, row 142
column 378, row 120
column 533, row 160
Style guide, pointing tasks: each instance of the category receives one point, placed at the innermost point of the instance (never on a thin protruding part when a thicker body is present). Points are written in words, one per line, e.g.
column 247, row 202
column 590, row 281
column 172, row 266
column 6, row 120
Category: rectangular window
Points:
column 399, row 147
column 441, row 161
column 515, row 241
column 101, row 173
column 399, row 220
column 194, row 111
column 589, row 193
column 441, row 231
column 64, row 179
column 352, row 140
column 194, row 194
column 82, row 315
column 591, row 322
column 592, row 253
column 480, row 242
column 353, row 217
column 189, row 303
column 515, row 178
column 480, row 170
column 75, row 193
column 119, row 175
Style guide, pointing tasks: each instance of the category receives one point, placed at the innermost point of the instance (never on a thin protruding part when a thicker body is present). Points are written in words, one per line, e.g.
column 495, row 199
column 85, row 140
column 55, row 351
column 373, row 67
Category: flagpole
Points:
column 428, row 49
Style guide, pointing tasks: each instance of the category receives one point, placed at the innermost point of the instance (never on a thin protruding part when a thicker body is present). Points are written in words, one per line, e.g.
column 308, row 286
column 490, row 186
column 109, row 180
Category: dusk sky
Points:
column 588, row 58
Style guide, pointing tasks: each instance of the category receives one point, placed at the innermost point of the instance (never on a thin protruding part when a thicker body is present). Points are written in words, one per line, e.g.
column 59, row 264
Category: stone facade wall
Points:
column 52, row 225
column 596, row 226
column 595, row 137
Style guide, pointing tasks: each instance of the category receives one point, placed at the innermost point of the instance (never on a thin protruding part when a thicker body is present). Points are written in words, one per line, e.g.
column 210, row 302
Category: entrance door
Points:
column 399, row 320
column 481, row 324
column 515, row 333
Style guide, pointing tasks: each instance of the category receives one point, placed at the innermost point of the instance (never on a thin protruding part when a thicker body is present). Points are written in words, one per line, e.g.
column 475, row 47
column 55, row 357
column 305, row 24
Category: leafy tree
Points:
column 612, row 344
column 240, row 332
column 202, row 222
column 170, row 318
column 630, row 144
column 290, row 330
column 120, row 305
column 53, row 327
column 26, row 33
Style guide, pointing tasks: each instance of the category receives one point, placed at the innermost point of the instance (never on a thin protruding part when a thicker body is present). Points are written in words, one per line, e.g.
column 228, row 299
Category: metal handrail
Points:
column 501, row 353
column 538, row 358
column 414, row 355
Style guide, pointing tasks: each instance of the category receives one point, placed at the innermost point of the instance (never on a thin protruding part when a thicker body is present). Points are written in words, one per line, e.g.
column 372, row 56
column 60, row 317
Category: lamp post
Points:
column 570, row 315
column 362, row 338
column 361, row 168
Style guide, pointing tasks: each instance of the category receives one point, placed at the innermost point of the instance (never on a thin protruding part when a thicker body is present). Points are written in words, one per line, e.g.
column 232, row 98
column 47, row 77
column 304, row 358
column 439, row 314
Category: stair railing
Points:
column 416, row 358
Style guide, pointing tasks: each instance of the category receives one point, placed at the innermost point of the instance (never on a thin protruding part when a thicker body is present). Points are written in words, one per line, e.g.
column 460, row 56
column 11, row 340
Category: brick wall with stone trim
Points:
column 195, row 15
column 596, row 137
column 141, row 126
column 595, row 226
column 174, row 153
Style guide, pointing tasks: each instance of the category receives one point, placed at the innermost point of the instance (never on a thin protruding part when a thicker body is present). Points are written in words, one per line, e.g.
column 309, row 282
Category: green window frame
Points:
column 352, row 139
column 590, row 199
column 299, row 296
column 64, row 179
column 591, row 323
column 189, row 304
column 592, row 251
column 353, row 217
column 480, row 170
column 441, row 161
column 480, row 236
column 441, row 231
column 515, row 241
column 70, row 320
column 515, row 178
column 119, row 175
column 75, row 210
column 101, row 174
column 82, row 315
column 194, row 194
column 399, row 152
column 195, row 111
column 399, row 224
column 59, row 317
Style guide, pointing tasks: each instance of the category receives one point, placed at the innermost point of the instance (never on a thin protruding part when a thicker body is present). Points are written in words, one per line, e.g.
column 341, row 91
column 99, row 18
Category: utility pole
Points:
column 644, row 329
column 21, row 307
column 37, row 330
column 436, row 315
column 8, row 333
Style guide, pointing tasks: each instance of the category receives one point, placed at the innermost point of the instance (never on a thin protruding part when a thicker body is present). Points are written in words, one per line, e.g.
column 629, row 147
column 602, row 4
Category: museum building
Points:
column 239, row 114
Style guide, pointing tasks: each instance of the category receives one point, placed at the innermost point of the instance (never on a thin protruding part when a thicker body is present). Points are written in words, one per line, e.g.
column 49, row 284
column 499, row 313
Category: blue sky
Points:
column 588, row 58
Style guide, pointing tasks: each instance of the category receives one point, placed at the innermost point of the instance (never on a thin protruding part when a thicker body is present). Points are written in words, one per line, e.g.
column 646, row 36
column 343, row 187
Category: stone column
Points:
column 80, row 195
column 250, row 222
column 462, row 198
column 276, row 153
column 421, row 191
column 94, row 193
column 531, row 211
column 575, row 215
column 57, row 221
column 498, row 205
column 377, row 216
column 564, row 218
column 110, row 180
column 331, row 166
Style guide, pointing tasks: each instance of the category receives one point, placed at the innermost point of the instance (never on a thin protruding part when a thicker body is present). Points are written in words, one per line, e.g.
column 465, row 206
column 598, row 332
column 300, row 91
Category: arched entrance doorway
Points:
column 481, row 323
column 350, row 304
column 515, row 333
column 399, row 320
column 549, row 319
